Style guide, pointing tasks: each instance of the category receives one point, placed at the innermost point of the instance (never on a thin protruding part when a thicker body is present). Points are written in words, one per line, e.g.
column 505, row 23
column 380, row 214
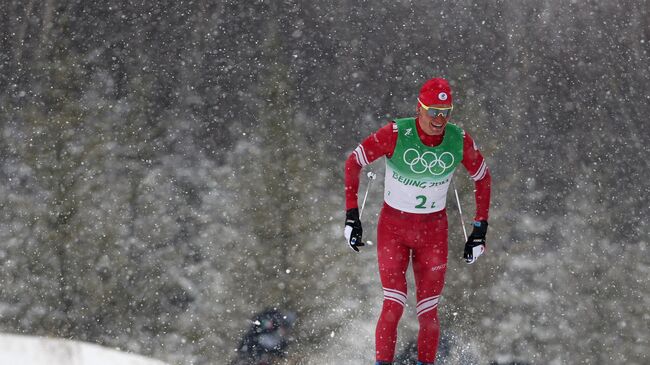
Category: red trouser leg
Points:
column 424, row 237
column 429, row 267
column 393, row 260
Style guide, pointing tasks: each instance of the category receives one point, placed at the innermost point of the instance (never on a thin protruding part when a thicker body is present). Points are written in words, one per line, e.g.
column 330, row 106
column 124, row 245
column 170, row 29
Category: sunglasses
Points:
column 434, row 112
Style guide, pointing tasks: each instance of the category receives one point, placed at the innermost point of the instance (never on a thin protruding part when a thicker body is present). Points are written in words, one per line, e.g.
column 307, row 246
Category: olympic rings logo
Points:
column 428, row 161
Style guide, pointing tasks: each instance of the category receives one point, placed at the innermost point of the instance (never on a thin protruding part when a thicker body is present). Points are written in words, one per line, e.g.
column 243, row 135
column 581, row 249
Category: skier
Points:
column 421, row 156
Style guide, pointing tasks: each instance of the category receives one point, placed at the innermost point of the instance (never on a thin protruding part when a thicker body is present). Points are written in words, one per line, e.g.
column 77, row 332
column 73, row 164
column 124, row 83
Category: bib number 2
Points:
column 422, row 202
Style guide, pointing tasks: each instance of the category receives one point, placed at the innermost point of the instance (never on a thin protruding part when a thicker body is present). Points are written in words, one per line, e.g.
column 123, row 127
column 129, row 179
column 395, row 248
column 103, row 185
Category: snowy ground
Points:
column 27, row 350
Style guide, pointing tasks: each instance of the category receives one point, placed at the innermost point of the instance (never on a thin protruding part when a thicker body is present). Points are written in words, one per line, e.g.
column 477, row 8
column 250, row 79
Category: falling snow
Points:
column 172, row 176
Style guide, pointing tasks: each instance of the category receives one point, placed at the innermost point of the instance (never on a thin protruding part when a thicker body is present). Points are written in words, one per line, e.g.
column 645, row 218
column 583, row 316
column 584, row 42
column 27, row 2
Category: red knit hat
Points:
column 435, row 92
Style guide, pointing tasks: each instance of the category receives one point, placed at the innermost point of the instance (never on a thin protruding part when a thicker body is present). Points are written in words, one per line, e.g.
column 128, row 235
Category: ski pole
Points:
column 371, row 176
column 460, row 210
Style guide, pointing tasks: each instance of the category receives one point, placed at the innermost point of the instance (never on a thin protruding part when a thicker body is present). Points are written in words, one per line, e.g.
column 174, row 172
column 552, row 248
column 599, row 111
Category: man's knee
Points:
column 427, row 311
column 393, row 306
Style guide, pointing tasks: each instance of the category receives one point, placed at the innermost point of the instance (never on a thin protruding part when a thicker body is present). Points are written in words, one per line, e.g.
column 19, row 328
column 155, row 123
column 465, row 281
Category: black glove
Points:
column 475, row 245
column 353, row 230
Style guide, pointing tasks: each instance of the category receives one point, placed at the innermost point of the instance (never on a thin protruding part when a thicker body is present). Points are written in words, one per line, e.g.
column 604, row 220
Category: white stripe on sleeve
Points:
column 356, row 155
column 360, row 152
column 480, row 173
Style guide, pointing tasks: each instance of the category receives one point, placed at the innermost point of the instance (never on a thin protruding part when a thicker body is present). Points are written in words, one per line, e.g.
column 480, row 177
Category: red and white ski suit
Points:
column 403, row 236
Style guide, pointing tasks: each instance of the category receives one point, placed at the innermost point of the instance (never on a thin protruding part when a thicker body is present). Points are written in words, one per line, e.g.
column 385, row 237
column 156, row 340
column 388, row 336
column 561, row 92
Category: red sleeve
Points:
column 477, row 168
column 378, row 144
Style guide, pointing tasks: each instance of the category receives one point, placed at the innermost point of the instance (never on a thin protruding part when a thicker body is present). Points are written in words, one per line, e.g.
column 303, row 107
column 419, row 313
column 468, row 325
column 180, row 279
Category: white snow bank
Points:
column 27, row 350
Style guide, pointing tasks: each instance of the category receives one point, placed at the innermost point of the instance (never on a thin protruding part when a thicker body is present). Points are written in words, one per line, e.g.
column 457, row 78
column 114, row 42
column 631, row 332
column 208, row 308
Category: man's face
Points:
column 434, row 126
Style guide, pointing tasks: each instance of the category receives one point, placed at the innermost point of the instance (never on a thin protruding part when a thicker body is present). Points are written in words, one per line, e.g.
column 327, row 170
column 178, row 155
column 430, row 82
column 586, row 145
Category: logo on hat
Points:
column 442, row 96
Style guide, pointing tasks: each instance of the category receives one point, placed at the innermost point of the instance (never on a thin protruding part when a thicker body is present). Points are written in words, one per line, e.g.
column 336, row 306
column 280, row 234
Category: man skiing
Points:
column 421, row 156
